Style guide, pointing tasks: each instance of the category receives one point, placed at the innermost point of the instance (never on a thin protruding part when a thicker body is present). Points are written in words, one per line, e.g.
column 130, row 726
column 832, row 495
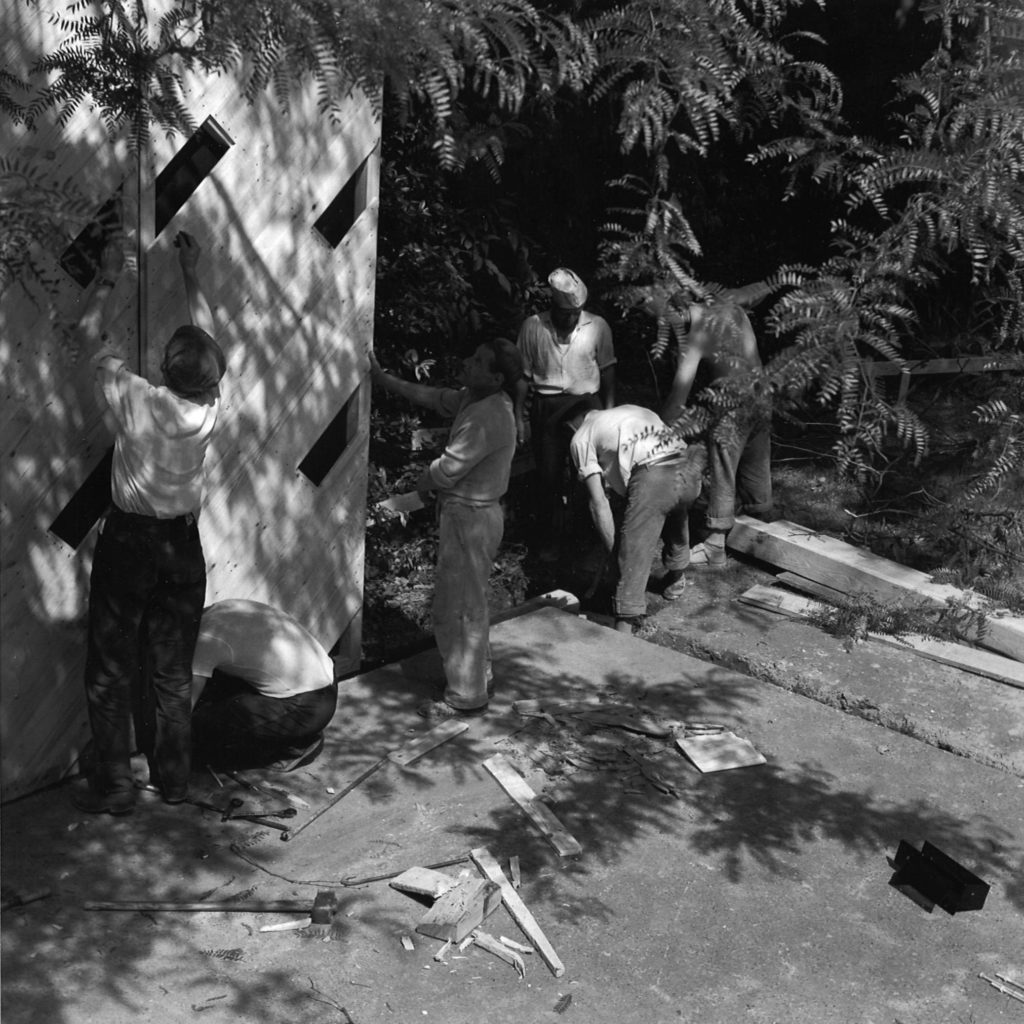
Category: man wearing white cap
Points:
column 568, row 367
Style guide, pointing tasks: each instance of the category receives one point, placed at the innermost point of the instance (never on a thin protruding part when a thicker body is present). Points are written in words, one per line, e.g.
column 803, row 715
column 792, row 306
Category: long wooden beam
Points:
column 853, row 570
column 969, row 659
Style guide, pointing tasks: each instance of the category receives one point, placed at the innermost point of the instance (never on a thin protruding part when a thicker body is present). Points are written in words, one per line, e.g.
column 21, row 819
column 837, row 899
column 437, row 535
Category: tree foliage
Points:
column 926, row 235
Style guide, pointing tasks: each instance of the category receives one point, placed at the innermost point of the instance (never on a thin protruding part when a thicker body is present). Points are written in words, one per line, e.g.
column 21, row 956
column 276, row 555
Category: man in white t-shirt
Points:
column 263, row 688
column 148, row 580
column 630, row 452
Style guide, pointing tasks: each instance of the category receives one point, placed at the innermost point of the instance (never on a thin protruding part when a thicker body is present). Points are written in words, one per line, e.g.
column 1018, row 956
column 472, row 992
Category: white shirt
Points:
column 160, row 445
column 477, row 459
column 572, row 367
column 614, row 441
column 262, row 645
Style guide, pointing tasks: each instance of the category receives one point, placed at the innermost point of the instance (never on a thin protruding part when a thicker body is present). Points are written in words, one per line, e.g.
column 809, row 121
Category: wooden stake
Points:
column 520, row 913
column 539, row 813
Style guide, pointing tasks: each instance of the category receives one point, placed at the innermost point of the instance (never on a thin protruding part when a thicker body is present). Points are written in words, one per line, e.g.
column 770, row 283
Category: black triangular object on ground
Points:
column 938, row 878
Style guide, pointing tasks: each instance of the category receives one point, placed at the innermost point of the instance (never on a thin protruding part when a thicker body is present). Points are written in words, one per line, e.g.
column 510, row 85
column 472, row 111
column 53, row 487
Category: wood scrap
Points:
column 408, row 944
column 970, row 659
column 806, row 586
column 844, row 567
column 461, row 910
column 519, row 947
column 540, row 814
column 518, row 910
column 514, row 872
column 492, row 945
column 416, row 748
column 716, row 752
column 423, row 882
column 286, row 926
column 443, row 952
column 540, row 706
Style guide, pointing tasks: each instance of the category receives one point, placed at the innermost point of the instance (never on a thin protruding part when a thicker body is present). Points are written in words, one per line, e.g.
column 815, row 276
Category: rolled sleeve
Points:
column 584, row 457
column 111, row 372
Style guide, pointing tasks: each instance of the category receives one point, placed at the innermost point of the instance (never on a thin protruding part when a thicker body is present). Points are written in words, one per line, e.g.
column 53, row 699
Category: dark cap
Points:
column 193, row 362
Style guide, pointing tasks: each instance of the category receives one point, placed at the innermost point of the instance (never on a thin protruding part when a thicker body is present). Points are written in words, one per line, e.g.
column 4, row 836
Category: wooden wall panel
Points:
column 295, row 320
column 52, row 432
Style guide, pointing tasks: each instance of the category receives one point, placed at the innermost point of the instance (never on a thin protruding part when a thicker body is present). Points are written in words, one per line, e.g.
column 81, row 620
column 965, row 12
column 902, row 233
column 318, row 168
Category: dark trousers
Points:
column 739, row 453
column 550, row 439
column 146, row 596
column 657, row 507
column 235, row 726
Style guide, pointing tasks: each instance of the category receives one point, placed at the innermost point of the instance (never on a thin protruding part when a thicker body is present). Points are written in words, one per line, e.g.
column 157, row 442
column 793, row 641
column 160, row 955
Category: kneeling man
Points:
column 630, row 451
column 263, row 688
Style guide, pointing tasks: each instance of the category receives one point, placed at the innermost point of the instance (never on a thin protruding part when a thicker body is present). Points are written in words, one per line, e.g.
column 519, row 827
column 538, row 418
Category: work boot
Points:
column 440, row 711
column 678, row 581
column 93, row 800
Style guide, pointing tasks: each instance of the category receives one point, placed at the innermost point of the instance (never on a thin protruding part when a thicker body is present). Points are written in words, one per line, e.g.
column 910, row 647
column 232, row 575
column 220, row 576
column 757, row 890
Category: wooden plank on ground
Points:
column 424, row 882
column 461, row 909
column 849, row 569
column 807, row 586
column 539, row 813
column 416, row 748
column 518, row 910
column 969, row 659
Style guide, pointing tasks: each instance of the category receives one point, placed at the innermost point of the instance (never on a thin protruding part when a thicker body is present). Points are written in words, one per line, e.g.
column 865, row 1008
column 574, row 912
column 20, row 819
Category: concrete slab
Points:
column 759, row 894
column 969, row 715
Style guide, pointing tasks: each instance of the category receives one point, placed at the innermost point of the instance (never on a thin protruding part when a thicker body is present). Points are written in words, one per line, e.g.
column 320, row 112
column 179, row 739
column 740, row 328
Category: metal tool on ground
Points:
column 228, row 906
column 324, row 906
column 403, row 756
column 350, row 881
column 12, row 899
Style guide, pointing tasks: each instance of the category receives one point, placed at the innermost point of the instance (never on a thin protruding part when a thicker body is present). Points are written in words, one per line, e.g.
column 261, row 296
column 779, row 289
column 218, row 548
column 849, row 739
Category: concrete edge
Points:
column 796, row 682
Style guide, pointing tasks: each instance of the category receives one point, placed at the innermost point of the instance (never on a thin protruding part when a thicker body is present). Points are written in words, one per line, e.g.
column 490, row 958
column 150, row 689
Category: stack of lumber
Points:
column 832, row 569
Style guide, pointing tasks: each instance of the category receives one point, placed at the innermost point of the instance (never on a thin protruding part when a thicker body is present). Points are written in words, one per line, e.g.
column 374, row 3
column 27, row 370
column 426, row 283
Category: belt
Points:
column 662, row 460
column 150, row 522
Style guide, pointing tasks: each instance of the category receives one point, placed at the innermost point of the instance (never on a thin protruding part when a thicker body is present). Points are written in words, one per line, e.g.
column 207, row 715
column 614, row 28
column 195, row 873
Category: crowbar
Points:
column 403, row 756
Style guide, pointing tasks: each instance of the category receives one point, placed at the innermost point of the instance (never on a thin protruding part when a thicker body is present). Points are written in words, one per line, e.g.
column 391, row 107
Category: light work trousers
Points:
column 657, row 507
column 469, row 542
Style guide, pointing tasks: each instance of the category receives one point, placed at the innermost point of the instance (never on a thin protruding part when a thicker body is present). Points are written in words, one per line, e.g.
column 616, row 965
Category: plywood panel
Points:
column 297, row 319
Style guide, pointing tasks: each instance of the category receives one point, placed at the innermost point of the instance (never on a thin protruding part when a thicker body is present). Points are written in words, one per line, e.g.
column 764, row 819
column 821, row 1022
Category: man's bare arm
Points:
column 686, row 371
column 419, row 394
column 199, row 310
column 608, row 387
column 601, row 511
column 747, row 296
column 522, row 389
column 91, row 323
